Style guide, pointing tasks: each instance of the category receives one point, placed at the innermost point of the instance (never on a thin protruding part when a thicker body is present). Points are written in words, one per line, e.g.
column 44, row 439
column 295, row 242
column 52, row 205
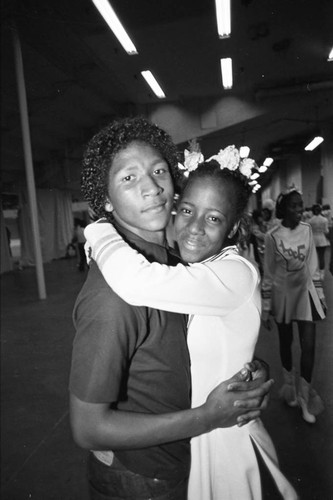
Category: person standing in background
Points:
column 320, row 231
column 292, row 292
column 307, row 214
column 268, row 215
column 79, row 240
column 327, row 212
column 258, row 231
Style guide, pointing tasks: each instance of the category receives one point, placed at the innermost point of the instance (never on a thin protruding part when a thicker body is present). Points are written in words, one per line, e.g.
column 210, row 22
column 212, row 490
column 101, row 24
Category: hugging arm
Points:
column 96, row 426
column 202, row 288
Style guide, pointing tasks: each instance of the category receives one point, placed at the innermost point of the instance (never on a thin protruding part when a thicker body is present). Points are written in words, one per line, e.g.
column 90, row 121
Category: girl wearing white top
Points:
column 293, row 293
column 219, row 290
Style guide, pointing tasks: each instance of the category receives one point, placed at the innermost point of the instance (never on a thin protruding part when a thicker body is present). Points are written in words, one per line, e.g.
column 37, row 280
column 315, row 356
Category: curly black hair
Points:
column 103, row 147
column 239, row 186
column 282, row 203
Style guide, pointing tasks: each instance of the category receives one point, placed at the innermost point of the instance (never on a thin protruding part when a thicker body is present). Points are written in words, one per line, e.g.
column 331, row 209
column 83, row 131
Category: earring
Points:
column 108, row 207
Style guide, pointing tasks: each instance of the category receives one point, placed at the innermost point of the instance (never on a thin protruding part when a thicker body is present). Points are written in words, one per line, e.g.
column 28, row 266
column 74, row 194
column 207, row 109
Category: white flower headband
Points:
column 227, row 158
column 287, row 191
column 291, row 189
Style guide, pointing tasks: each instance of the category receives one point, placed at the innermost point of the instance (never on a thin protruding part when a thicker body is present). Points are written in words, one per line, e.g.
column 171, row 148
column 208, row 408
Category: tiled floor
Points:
column 39, row 459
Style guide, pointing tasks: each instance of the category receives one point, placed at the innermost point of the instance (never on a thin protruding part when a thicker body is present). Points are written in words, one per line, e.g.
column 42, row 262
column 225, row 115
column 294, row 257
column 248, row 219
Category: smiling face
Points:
column 204, row 218
column 140, row 191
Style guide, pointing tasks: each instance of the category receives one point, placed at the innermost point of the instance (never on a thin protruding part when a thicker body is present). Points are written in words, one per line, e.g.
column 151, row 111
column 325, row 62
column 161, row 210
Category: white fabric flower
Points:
column 227, row 158
column 246, row 166
column 181, row 166
column 192, row 160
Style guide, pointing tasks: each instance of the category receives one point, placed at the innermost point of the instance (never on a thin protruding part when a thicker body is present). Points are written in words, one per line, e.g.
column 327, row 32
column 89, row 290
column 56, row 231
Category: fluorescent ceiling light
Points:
column 262, row 169
column 112, row 20
column 253, row 183
column 244, row 151
column 268, row 162
column 254, row 176
column 226, row 69
column 223, row 18
column 314, row 143
column 330, row 56
column 150, row 79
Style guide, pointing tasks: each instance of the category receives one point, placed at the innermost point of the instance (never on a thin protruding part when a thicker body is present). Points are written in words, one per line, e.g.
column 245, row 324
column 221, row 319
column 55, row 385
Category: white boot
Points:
column 288, row 390
column 309, row 401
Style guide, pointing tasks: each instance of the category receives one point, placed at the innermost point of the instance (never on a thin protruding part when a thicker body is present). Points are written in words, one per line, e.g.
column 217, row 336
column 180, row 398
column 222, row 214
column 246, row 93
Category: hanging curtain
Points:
column 55, row 225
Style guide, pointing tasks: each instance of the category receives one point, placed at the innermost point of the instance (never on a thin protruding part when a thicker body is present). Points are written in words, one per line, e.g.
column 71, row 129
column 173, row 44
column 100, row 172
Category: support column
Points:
column 28, row 163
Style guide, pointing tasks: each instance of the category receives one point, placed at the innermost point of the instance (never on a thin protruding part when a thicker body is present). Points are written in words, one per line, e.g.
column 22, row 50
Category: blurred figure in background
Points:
column 307, row 214
column 79, row 240
column 319, row 225
column 326, row 211
column 292, row 292
column 258, row 231
column 268, row 215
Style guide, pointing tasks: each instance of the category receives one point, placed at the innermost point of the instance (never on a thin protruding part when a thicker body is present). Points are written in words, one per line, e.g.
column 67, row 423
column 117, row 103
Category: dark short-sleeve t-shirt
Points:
column 136, row 359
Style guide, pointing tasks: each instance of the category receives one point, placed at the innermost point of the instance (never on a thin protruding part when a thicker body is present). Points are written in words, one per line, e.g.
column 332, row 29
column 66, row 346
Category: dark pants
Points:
column 115, row 482
column 321, row 257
